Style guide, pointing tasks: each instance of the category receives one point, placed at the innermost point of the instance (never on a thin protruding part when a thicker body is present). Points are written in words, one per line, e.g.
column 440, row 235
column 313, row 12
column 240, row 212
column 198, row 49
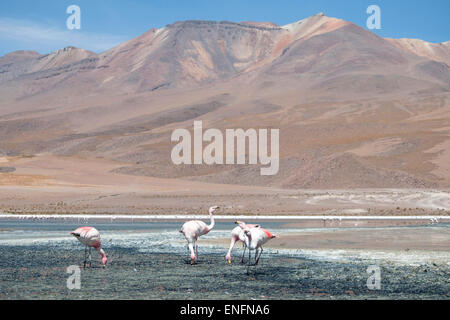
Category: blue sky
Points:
column 41, row 25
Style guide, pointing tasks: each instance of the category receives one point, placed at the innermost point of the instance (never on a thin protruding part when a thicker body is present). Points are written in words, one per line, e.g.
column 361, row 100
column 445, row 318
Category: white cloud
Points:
column 34, row 36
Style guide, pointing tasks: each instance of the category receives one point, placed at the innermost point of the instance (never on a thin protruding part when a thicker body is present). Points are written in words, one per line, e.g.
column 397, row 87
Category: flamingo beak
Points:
column 229, row 261
column 238, row 222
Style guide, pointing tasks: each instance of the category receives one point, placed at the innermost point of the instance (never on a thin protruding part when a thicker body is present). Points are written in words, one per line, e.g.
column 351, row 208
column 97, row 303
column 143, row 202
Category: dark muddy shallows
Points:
column 32, row 272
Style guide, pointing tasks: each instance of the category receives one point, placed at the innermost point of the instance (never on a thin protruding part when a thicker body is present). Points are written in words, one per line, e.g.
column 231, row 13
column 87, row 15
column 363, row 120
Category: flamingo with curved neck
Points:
column 192, row 230
column 238, row 235
column 254, row 239
column 90, row 237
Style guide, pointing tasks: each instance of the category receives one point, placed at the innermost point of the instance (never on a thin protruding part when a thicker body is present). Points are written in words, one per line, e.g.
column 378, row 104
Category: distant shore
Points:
column 48, row 184
column 296, row 220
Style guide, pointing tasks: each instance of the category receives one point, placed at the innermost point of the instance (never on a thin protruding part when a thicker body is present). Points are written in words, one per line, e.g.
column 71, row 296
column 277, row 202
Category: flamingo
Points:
column 237, row 234
column 254, row 239
column 90, row 237
column 194, row 229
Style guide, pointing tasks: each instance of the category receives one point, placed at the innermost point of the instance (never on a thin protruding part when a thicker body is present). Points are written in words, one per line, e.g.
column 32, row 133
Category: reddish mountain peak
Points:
column 314, row 25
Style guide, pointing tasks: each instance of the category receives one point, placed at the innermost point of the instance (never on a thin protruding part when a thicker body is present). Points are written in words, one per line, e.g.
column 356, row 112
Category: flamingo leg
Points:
column 256, row 254
column 243, row 253
column 85, row 254
column 90, row 258
column 260, row 252
column 196, row 251
column 249, row 261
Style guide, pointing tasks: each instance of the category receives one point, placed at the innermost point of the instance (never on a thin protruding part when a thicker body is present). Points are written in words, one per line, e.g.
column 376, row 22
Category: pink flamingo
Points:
column 237, row 234
column 194, row 229
column 90, row 237
column 254, row 239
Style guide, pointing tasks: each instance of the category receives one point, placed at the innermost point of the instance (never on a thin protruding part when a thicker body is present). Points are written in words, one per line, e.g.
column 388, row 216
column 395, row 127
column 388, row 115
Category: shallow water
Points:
column 149, row 260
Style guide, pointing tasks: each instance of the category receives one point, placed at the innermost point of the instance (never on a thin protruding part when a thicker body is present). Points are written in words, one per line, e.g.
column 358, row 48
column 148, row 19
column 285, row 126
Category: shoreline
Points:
column 169, row 217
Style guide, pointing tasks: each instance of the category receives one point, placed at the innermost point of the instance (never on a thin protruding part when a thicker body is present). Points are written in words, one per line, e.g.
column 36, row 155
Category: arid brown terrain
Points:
column 92, row 131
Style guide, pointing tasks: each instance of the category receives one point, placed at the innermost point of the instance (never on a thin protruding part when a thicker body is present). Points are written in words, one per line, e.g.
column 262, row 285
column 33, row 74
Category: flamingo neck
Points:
column 248, row 239
column 233, row 241
column 104, row 259
column 212, row 222
column 228, row 256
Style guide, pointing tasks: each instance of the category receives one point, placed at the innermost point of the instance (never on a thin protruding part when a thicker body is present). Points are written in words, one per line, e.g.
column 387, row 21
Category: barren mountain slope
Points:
column 353, row 109
column 435, row 51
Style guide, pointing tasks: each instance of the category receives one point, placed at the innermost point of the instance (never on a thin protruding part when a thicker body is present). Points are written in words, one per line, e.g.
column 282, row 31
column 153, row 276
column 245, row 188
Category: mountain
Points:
column 353, row 109
column 434, row 51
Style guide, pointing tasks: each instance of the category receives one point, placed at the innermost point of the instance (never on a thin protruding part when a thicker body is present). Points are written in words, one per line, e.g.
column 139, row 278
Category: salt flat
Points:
column 150, row 261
